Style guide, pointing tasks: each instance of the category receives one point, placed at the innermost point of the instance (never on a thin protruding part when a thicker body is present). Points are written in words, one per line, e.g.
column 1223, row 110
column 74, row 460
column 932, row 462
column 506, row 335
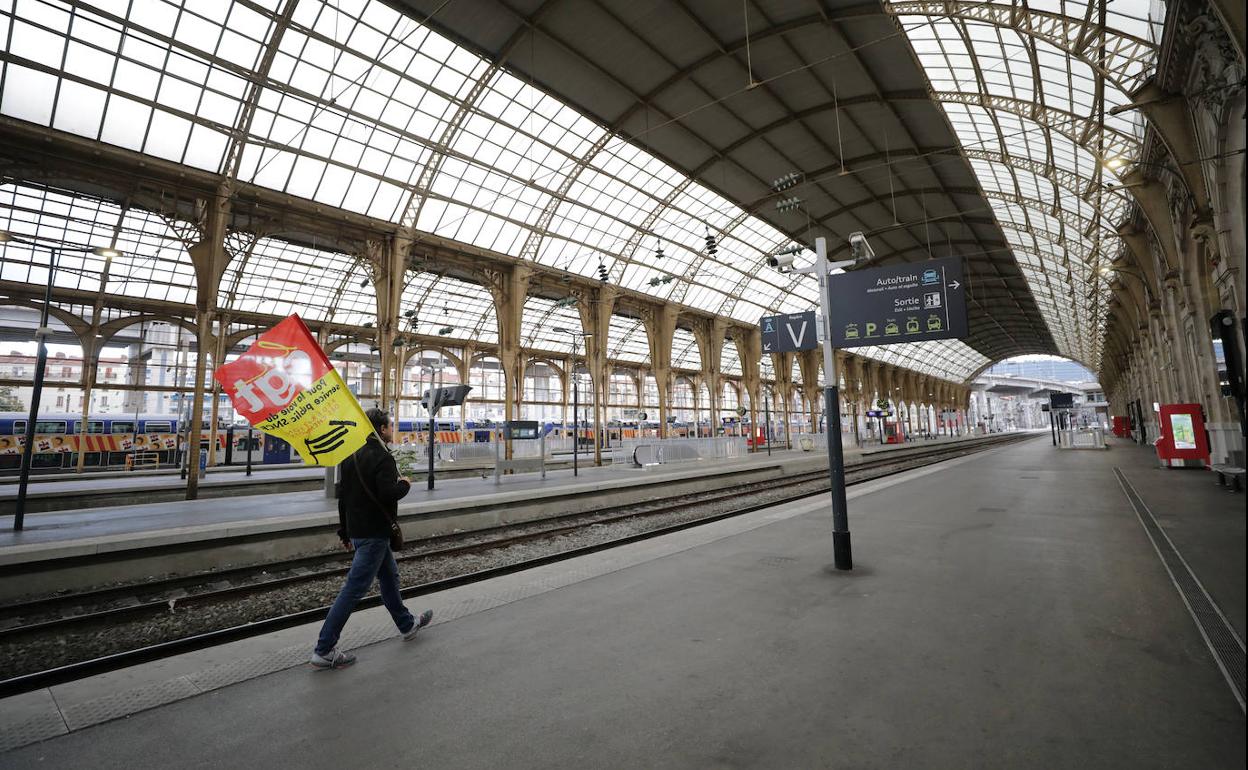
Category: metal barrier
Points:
column 676, row 450
column 462, row 452
column 1082, row 438
column 527, row 456
column 809, row 442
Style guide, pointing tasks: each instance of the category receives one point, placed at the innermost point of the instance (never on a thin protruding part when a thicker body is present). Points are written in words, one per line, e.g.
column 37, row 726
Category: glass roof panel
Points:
column 627, row 341
column 1022, row 100
column 364, row 108
column 952, row 360
column 443, row 306
column 541, row 319
column 729, row 360
column 685, row 353
column 153, row 264
column 282, row 278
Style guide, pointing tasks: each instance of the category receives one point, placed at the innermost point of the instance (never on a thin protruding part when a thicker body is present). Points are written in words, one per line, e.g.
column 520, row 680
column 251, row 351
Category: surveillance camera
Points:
column 859, row 249
column 781, row 262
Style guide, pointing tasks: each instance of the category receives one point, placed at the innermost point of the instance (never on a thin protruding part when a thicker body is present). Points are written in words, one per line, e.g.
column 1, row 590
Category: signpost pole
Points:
column 576, row 419
column 841, row 549
column 41, row 361
column 767, row 419
column 432, row 427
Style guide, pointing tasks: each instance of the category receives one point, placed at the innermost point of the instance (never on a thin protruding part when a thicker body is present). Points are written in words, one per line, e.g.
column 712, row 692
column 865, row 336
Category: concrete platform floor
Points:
column 1005, row 610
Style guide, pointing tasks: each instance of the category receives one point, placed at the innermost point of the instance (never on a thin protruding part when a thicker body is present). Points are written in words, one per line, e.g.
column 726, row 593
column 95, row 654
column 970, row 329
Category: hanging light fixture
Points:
column 785, row 182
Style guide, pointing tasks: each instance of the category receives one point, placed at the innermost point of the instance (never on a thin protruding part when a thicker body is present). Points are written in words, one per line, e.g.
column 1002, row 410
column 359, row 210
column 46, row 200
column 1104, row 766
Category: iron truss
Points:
column 1031, row 93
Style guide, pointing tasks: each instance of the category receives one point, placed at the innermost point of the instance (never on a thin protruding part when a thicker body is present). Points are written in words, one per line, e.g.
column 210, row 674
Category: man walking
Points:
column 368, row 502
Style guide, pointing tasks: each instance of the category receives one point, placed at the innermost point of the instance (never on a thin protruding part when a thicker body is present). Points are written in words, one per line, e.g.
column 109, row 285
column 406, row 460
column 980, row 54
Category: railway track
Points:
column 81, row 613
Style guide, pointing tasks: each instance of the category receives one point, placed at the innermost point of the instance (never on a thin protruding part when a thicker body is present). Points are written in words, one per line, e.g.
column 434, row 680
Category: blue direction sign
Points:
column 788, row 333
column 899, row 303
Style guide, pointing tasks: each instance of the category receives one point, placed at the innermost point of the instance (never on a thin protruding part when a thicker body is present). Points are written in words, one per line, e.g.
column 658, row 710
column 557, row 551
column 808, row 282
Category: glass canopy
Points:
column 1030, row 89
column 361, row 107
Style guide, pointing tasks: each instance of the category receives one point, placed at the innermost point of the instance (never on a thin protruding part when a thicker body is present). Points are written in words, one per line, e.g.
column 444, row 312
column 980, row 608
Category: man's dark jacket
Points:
column 358, row 514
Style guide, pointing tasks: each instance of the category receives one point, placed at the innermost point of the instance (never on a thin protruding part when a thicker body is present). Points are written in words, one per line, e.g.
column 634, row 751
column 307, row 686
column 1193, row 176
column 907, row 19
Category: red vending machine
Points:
column 1122, row 426
column 1184, row 443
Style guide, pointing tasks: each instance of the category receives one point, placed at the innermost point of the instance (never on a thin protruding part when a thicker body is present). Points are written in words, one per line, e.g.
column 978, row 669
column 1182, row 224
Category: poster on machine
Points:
column 285, row 386
column 1183, row 431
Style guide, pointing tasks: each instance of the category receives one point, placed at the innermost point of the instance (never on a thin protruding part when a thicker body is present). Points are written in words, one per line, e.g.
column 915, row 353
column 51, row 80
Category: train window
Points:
column 122, row 426
column 95, row 426
column 152, row 426
column 41, row 427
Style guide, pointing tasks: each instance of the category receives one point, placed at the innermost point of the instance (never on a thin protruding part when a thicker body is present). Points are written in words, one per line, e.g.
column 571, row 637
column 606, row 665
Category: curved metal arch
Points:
column 108, row 329
column 439, row 152
column 1061, row 239
column 480, row 356
column 549, row 362
column 75, row 324
column 1067, row 180
column 233, row 338
column 1071, row 219
column 537, row 231
column 1073, row 127
column 681, row 289
column 992, row 363
column 629, row 251
column 545, row 316
column 637, row 323
column 231, row 159
column 240, row 254
column 1077, row 38
column 441, row 350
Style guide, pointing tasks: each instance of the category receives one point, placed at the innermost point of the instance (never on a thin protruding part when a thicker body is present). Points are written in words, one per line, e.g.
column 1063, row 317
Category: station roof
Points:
column 609, row 136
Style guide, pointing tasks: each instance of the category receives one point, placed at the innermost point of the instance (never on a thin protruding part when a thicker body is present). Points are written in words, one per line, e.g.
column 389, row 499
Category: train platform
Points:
column 70, row 550
column 1021, row 607
column 137, row 518
column 123, row 490
column 70, row 491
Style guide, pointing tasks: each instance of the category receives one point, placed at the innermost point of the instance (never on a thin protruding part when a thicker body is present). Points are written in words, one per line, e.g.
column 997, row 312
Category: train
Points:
column 116, row 441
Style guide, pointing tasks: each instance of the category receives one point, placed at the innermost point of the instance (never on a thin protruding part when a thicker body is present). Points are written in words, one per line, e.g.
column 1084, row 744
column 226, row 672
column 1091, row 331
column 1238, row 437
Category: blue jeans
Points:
column 373, row 559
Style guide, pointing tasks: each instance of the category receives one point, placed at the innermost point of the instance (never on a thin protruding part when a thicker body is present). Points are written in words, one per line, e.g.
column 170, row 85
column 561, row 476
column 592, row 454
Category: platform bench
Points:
column 1229, row 475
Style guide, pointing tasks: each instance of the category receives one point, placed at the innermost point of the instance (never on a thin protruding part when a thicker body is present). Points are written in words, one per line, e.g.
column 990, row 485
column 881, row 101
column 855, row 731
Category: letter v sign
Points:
column 799, row 336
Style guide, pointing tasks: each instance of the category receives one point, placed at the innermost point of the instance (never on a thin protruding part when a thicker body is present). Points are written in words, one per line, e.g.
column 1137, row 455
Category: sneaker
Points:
column 334, row 659
column 421, row 622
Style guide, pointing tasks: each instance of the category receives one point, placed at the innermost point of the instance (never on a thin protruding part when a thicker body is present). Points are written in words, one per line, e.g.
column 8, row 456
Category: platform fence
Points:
column 645, row 452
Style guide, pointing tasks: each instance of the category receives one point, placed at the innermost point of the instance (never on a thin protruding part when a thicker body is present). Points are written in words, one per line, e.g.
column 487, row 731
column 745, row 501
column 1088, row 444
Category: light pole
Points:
column 767, row 420
column 433, row 392
column 576, row 394
column 41, row 356
column 821, row 269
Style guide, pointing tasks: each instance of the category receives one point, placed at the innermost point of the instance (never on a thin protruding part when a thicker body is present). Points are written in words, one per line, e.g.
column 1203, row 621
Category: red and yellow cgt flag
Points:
column 286, row 387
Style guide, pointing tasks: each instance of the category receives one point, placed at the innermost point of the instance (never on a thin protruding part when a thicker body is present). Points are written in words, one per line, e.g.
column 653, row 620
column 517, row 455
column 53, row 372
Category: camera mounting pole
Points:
column 841, row 549
column 861, row 252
